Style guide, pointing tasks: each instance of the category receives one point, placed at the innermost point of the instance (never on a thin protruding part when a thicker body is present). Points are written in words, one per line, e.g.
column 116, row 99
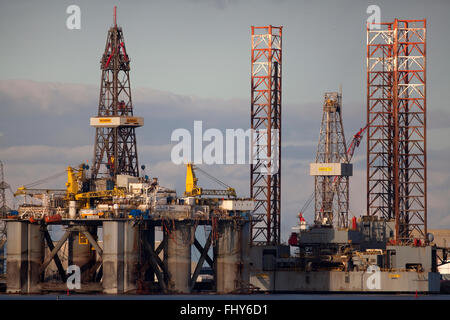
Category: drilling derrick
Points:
column 115, row 150
column 396, row 118
column 331, row 170
column 265, row 167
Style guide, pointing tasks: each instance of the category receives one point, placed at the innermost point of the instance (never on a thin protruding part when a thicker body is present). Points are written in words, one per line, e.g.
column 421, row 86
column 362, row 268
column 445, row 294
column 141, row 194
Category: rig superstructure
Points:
column 129, row 209
column 387, row 249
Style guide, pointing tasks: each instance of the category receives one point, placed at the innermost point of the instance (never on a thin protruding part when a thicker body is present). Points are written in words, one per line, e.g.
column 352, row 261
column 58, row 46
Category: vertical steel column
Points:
column 227, row 258
column 265, row 162
column 179, row 241
column 131, row 257
column 232, row 257
column 148, row 236
column 2, row 255
column 3, row 186
column 411, row 95
column 113, row 258
column 81, row 253
column 379, row 119
column 245, row 237
column 35, row 257
column 17, row 257
column 396, row 117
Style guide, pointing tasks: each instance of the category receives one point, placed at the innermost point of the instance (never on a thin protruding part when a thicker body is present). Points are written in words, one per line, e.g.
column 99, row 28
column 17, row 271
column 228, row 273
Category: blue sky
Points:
column 190, row 61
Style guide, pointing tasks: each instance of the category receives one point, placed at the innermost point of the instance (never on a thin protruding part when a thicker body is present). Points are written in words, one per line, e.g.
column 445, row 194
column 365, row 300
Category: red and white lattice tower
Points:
column 396, row 117
column 265, row 167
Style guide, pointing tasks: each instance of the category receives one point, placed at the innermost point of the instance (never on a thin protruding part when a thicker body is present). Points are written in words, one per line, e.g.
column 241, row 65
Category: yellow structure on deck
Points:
column 193, row 190
column 117, row 192
column 191, row 182
column 73, row 176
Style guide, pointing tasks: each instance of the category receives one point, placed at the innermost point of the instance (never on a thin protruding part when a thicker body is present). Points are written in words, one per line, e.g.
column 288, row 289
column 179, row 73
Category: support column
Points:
column 35, row 257
column 245, row 234
column 113, row 257
column 16, row 260
column 232, row 254
column 149, row 237
column 179, row 257
column 2, row 256
column 131, row 255
column 82, row 253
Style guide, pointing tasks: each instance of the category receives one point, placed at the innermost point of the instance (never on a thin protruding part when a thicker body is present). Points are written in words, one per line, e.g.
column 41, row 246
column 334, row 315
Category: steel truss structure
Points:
column 331, row 192
column 3, row 186
column 396, row 117
column 265, row 167
column 115, row 147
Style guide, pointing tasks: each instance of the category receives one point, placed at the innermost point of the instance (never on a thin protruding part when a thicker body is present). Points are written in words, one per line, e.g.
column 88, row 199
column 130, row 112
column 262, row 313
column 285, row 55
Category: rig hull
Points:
column 353, row 281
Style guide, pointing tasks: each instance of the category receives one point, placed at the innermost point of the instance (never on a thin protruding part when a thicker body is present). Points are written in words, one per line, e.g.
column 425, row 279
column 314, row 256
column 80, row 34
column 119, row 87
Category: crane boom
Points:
column 22, row 191
column 355, row 142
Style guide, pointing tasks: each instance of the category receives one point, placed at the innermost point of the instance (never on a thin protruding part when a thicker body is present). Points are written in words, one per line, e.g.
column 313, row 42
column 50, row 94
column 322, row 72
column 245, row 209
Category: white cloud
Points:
column 47, row 97
column 64, row 98
column 46, row 154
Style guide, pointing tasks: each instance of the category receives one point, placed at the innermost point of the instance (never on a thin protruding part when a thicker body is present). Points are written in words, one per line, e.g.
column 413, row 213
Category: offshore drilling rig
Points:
column 129, row 209
column 387, row 249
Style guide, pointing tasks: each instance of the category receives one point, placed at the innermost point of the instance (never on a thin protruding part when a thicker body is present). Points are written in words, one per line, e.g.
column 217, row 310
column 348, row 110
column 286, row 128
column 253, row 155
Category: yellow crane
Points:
column 29, row 190
column 74, row 178
column 73, row 191
column 193, row 190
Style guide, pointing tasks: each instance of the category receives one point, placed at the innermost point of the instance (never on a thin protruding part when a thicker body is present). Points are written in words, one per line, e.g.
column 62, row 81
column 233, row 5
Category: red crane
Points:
column 355, row 143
